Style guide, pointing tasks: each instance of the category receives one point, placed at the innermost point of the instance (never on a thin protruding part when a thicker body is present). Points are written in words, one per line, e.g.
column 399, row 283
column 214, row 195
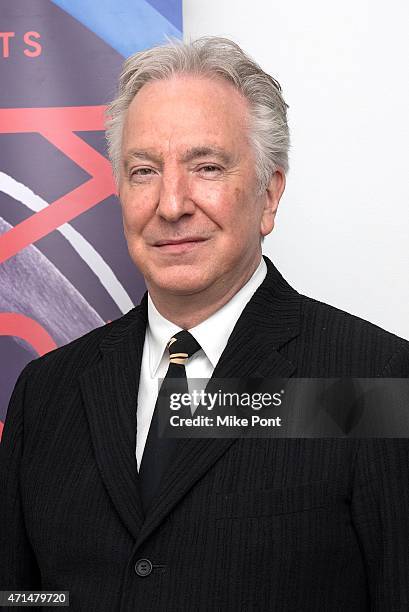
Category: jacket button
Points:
column 143, row 567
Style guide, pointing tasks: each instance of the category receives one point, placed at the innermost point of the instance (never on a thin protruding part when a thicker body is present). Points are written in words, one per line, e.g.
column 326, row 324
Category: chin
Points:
column 182, row 288
column 179, row 282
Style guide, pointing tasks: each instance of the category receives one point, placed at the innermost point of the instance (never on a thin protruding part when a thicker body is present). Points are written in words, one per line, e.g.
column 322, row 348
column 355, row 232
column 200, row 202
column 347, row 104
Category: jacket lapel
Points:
column 269, row 320
column 109, row 392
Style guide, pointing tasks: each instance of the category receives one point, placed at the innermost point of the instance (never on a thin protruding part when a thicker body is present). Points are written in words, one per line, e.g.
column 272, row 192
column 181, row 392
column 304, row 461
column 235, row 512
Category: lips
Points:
column 187, row 240
column 180, row 245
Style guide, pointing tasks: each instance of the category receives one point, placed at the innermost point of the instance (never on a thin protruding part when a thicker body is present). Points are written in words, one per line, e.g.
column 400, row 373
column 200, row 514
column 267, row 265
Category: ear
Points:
column 272, row 198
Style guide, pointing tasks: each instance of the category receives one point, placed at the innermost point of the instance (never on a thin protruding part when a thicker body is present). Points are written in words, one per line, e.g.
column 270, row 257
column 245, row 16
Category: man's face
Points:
column 192, row 212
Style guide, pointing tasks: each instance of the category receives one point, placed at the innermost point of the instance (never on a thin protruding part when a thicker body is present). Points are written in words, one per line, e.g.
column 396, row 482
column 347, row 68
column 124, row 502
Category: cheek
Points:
column 248, row 209
column 206, row 193
column 137, row 210
column 217, row 200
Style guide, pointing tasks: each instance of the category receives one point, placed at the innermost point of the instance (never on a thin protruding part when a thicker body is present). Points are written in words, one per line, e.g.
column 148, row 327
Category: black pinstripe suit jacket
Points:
column 239, row 524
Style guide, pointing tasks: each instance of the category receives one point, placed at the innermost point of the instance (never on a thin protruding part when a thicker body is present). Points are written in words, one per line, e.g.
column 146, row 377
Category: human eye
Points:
column 142, row 174
column 210, row 170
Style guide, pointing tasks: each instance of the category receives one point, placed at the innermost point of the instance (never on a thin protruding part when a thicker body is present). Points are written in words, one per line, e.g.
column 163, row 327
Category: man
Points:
column 198, row 138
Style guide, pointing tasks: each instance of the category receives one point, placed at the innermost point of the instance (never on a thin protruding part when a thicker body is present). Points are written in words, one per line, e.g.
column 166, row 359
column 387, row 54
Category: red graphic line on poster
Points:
column 21, row 326
column 58, row 125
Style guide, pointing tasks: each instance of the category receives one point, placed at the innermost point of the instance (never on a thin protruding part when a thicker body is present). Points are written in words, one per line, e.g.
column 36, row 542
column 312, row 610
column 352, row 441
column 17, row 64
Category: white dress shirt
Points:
column 212, row 335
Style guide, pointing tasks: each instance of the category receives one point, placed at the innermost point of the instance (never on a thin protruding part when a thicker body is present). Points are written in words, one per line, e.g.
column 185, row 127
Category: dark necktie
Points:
column 158, row 449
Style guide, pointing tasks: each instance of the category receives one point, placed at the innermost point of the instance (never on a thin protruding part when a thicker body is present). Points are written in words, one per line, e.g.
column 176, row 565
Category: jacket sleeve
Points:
column 18, row 566
column 380, row 509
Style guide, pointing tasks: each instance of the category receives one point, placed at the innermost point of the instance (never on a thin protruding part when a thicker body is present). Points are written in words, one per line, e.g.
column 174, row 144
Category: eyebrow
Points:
column 207, row 151
column 142, row 154
column 189, row 155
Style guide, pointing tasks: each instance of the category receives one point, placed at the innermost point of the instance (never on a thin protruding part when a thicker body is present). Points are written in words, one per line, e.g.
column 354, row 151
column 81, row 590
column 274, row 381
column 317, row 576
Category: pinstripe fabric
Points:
column 286, row 525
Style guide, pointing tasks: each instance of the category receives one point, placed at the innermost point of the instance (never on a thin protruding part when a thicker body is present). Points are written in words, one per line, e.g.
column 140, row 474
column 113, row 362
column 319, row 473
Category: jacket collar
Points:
column 270, row 319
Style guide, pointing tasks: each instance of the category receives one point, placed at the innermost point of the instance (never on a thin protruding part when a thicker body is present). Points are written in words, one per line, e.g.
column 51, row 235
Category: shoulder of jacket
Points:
column 83, row 350
column 340, row 325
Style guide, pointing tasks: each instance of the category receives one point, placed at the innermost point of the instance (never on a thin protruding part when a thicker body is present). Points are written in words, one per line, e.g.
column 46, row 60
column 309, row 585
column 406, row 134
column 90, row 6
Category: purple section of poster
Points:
column 52, row 60
column 75, row 67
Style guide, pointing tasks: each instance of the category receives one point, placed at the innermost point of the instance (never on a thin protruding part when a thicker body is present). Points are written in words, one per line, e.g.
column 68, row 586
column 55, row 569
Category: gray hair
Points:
column 214, row 57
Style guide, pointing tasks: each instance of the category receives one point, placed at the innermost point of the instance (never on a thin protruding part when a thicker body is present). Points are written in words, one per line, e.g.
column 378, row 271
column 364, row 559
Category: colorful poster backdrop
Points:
column 64, row 265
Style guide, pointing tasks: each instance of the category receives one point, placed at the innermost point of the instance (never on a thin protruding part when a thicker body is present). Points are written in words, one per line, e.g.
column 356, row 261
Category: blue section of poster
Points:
column 127, row 26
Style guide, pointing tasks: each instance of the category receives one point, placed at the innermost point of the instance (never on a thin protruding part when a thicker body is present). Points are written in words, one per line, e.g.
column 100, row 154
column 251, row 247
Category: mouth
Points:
column 180, row 245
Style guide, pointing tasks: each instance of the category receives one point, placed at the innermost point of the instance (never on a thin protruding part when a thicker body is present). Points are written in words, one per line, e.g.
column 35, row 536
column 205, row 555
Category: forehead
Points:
column 185, row 111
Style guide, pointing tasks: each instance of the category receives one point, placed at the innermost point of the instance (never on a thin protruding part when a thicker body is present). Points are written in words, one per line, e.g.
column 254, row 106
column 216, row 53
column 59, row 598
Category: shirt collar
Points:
column 159, row 332
column 212, row 334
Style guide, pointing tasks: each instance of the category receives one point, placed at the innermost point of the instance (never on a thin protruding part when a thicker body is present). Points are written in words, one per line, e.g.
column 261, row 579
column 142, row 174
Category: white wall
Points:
column 342, row 231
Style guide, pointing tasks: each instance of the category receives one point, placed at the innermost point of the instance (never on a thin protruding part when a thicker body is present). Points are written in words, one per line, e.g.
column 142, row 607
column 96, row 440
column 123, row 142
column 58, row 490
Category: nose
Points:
column 174, row 201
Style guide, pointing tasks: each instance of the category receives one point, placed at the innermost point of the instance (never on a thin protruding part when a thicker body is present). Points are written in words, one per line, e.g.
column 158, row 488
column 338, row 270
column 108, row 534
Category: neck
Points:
column 187, row 311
